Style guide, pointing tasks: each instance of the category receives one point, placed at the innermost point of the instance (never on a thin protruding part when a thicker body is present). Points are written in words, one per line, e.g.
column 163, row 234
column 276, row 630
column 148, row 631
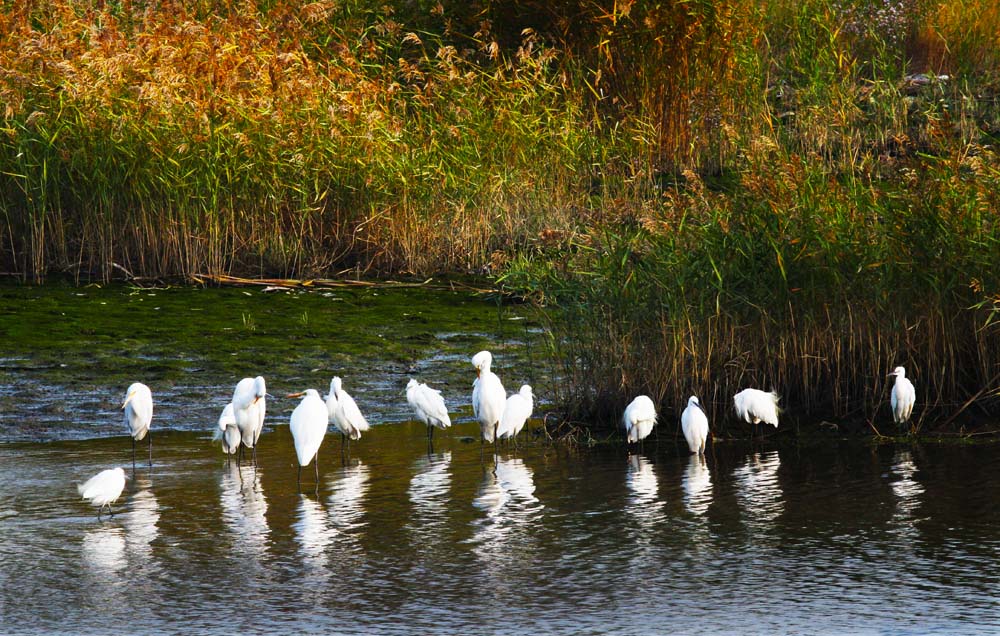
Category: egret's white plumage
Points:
column 308, row 426
column 103, row 489
column 138, row 407
column 249, row 406
column 516, row 412
column 754, row 406
column 227, row 431
column 694, row 423
column 903, row 396
column 639, row 418
column 428, row 405
column 488, row 396
column 343, row 411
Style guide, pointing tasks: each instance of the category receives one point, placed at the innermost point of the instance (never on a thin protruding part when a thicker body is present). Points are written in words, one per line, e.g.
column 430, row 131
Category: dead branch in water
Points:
column 276, row 284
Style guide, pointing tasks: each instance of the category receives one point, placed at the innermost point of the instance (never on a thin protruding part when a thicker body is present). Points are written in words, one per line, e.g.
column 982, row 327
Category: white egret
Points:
column 515, row 413
column 428, row 405
column 694, row 423
column 344, row 413
column 754, row 406
column 249, row 405
column 228, row 432
column 639, row 418
column 103, row 489
column 138, row 407
column 488, row 397
column 308, row 426
column 903, row 396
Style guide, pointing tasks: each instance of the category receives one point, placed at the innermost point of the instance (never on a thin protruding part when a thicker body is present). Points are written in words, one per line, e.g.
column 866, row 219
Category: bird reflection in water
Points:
column 643, row 506
column 141, row 522
column 507, row 499
column 758, row 491
column 244, row 509
column 429, row 490
column 908, row 491
column 697, row 485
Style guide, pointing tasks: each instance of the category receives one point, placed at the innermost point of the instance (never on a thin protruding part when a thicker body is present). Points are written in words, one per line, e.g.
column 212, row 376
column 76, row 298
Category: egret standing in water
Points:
column 429, row 407
column 903, row 396
column 228, row 432
column 138, row 407
column 308, row 426
column 515, row 413
column 754, row 406
column 488, row 397
column 249, row 405
column 694, row 423
column 343, row 411
column 103, row 489
column 639, row 418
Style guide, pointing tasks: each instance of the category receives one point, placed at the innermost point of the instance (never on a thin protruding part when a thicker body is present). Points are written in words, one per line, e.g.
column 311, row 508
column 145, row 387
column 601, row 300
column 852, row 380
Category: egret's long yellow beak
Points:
column 479, row 372
column 255, row 399
column 128, row 399
column 290, row 395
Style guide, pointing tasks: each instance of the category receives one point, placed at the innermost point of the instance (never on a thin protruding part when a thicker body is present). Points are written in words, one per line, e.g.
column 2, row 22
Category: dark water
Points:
column 833, row 539
column 828, row 538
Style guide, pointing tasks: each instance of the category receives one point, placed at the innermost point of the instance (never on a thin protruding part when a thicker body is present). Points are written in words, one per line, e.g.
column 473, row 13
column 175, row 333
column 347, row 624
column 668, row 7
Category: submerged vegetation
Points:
column 798, row 195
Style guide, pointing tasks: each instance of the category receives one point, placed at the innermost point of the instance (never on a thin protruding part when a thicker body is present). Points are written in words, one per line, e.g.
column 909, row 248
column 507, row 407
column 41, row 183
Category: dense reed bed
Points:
column 285, row 138
column 798, row 195
column 835, row 216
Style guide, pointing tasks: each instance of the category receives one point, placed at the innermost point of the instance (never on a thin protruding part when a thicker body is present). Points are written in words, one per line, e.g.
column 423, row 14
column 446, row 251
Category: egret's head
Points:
column 129, row 394
column 412, row 384
column 899, row 372
column 526, row 391
column 482, row 361
column 259, row 388
column 335, row 384
column 694, row 400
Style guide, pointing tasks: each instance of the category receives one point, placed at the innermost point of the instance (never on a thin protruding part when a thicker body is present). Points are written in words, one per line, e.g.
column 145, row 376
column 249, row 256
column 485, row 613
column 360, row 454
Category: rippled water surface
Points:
column 397, row 538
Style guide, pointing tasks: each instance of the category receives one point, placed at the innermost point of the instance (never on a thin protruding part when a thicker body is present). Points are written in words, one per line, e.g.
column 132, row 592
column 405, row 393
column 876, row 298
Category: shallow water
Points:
column 829, row 538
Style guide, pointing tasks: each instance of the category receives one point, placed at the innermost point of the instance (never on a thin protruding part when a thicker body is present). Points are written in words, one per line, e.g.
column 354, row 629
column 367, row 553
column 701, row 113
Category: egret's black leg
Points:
column 150, row 435
column 133, row 456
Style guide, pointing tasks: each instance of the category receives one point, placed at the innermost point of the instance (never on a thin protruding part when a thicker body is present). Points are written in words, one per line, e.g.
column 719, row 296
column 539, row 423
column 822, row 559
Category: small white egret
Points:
column 308, row 426
column 103, row 489
column 228, row 432
column 344, row 413
column 639, row 418
column 694, row 423
column 754, row 406
column 429, row 407
column 903, row 396
column 138, row 407
column 515, row 413
column 488, row 397
column 249, row 404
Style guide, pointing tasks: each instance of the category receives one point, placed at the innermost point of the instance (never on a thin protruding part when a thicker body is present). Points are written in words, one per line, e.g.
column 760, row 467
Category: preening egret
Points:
column 249, row 405
column 754, row 406
column 428, row 405
column 903, row 396
column 344, row 413
column 639, row 418
column 694, row 423
column 515, row 413
column 488, row 397
column 228, row 432
column 138, row 407
column 103, row 489
column 308, row 425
